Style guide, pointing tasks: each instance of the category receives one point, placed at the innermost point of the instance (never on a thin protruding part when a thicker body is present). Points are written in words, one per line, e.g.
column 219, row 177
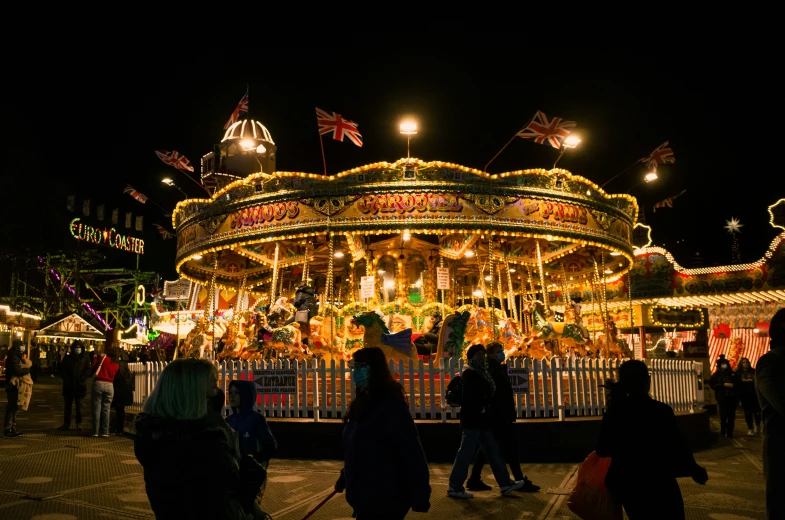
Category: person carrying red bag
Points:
column 647, row 450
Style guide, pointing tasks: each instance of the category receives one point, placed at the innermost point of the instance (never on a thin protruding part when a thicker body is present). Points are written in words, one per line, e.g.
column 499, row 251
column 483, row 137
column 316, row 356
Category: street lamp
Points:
column 408, row 128
column 571, row 141
column 651, row 176
column 169, row 182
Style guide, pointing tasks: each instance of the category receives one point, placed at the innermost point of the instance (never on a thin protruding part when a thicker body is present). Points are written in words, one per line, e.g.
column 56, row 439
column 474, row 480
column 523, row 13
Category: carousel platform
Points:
column 539, row 440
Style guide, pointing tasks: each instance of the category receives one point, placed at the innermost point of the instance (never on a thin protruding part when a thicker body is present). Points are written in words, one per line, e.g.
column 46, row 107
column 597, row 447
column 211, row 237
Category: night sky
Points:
column 88, row 126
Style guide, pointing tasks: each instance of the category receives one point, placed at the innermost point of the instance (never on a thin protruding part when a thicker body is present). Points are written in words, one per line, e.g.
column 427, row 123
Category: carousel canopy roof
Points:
column 563, row 220
column 248, row 129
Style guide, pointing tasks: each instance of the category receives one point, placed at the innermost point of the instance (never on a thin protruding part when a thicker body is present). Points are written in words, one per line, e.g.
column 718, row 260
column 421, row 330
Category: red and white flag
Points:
column 130, row 190
column 661, row 155
column 239, row 112
column 338, row 126
column 164, row 233
column 175, row 159
column 667, row 203
column 544, row 131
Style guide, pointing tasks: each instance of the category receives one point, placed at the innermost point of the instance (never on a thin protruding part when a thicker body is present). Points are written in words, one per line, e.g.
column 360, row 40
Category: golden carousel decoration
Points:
column 388, row 248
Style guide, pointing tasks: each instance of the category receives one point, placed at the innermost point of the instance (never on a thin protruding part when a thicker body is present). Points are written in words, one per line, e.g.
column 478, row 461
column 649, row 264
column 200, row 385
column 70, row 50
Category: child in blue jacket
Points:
column 256, row 442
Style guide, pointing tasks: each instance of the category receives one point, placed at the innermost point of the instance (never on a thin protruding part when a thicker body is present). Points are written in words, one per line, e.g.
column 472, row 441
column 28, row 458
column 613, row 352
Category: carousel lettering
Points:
column 564, row 212
column 106, row 236
column 259, row 215
column 406, row 202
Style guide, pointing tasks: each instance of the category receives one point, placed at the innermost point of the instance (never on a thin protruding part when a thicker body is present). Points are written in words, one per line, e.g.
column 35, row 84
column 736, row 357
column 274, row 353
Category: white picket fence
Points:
column 559, row 388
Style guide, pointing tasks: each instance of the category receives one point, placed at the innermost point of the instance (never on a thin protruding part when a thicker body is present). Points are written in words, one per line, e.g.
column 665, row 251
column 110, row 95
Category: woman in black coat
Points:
column 124, row 385
column 16, row 366
column 75, row 370
column 636, row 473
column 385, row 473
column 190, row 467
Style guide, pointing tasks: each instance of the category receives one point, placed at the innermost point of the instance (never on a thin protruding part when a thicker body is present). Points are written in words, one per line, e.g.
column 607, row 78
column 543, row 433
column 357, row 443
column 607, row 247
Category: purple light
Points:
column 85, row 305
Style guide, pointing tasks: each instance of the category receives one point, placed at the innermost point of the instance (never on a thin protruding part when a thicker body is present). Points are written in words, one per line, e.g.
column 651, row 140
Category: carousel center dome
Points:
column 248, row 129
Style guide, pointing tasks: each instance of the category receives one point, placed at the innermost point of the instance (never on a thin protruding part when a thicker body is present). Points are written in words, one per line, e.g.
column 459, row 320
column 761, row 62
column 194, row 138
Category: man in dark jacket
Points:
column 124, row 385
column 15, row 367
column 35, row 359
column 75, row 370
column 770, row 386
column 502, row 416
column 726, row 384
column 478, row 389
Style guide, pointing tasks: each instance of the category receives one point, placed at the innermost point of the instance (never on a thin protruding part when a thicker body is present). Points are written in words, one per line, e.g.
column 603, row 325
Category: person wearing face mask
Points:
column 16, row 367
column 748, row 397
column 726, row 385
column 384, row 473
column 75, row 370
column 478, row 389
column 502, row 416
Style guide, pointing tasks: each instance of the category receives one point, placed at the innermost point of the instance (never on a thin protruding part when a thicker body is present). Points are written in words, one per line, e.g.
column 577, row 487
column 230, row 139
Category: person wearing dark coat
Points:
column 190, row 467
column 429, row 342
column 502, row 417
column 770, row 386
column 75, row 371
column 726, row 385
column 124, row 385
column 477, row 390
column 748, row 396
column 304, row 300
column 634, row 472
column 256, row 443
column 384, row 473
column 16, row 366
column 35, row 359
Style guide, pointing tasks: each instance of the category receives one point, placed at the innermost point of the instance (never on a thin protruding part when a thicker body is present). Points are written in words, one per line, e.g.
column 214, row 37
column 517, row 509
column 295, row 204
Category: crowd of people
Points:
column 183, row 438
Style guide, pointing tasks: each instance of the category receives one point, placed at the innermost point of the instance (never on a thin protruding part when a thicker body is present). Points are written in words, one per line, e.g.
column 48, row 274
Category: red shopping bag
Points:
column 590, row 499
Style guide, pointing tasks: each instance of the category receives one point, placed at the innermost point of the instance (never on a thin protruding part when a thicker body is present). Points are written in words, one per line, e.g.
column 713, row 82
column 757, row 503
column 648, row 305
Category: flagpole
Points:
column 195, row 181
column 324, row 161
column 624, row 170
column 485, row 170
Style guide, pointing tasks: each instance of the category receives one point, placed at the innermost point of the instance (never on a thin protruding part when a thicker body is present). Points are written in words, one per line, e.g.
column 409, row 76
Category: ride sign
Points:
column 519, row 380
column 276, row 381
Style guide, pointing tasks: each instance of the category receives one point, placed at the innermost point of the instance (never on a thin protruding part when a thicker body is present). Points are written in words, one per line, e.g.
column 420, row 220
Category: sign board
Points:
column 367, row 287
column 276, row 381
column 519, row 379
column 442, row 278
column 177, row 290
column 695, row 349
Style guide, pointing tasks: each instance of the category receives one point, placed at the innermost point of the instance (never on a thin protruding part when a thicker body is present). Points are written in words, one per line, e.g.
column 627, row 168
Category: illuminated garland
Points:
column 72, row 291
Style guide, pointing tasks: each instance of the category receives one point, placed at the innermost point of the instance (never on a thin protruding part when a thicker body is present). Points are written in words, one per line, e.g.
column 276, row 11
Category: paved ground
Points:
column 49, row 475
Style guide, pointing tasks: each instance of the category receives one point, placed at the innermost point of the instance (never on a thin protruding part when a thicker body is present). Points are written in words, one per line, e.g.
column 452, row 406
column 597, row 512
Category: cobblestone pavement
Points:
column 52, row 475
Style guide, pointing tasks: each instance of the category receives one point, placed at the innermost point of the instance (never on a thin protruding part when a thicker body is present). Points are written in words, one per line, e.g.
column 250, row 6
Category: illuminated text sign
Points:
column 406, row 202
column 106, row 236
column 260, row 214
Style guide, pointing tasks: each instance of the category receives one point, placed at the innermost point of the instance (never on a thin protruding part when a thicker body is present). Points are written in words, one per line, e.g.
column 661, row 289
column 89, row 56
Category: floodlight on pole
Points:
column 408, row 128
column 571, row 141
column 651, row 176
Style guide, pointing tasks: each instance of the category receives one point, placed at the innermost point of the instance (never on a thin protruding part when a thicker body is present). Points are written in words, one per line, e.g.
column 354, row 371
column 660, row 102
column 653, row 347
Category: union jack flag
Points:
column 173, row 158
column 239, row 112
column 667, row 203
column 164, row 233
column 541, row 130
column 661, row 155
column 338, row 126
column 135, row 194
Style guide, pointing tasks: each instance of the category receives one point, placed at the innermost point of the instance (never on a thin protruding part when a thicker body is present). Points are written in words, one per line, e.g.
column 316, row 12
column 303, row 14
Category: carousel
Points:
column 419, row 258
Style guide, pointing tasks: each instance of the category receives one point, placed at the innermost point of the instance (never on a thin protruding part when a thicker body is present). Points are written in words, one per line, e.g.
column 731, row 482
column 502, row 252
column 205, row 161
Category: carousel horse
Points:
column 288, row 339
column 396, row 347
column 452, row 333
column 321, row 339
column 554, row 330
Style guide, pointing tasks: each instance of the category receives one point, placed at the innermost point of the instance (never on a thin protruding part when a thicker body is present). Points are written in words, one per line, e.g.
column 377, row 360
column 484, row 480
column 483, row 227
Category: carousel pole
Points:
column 441, row 264
column 605, row 313
column 542, row 278
column 604, row 320
column 213, row 305
column 499, row 291
column 274, row 281
column 593, row 311
column 329, row 289
column 490, row 274
column 511, row 293
column 632, row 319
column 177, row 317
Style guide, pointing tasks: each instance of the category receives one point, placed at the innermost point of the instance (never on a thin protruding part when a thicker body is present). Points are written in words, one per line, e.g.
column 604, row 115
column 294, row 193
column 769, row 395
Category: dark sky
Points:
column 84, row 125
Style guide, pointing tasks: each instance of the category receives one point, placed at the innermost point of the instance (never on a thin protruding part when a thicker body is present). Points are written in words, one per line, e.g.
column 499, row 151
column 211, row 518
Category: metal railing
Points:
column 558, row 388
